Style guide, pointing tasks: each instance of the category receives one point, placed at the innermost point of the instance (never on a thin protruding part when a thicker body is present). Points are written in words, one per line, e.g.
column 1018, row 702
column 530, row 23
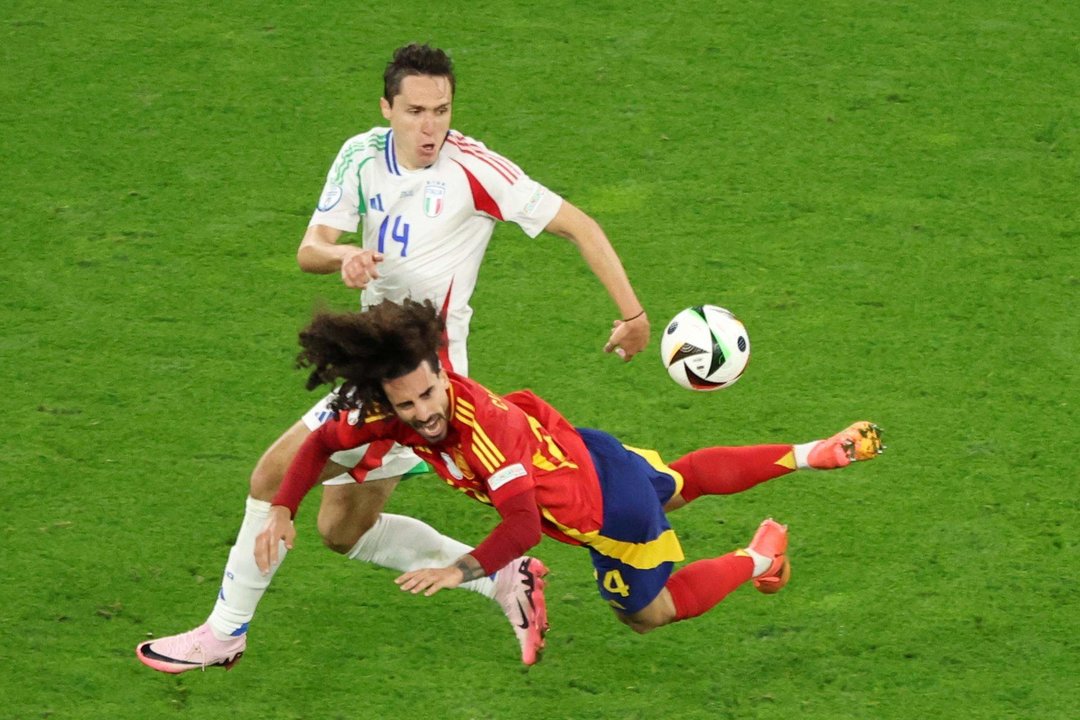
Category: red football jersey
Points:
column 495, row 449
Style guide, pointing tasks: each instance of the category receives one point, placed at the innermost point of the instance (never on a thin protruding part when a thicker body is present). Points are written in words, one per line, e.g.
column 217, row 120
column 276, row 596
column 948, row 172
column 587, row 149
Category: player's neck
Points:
column 405, row 165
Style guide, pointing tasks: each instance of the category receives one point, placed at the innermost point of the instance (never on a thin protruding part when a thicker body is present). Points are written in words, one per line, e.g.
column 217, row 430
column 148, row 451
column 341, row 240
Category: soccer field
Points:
column 885, row 193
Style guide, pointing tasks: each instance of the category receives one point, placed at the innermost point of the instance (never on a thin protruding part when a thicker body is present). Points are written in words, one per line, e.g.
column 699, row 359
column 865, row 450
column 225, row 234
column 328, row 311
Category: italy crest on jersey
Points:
column 434, row 199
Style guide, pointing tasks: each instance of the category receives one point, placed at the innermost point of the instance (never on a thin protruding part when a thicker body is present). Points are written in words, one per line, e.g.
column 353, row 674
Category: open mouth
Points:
column 432, row 429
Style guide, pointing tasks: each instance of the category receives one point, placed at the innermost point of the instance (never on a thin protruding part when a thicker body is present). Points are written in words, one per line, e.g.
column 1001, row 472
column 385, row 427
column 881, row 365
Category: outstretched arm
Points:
column 630, row 333
column 511, row 538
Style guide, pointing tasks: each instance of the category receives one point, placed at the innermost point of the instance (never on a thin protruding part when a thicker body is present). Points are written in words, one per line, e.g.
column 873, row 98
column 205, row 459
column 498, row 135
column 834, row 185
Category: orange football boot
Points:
column 770, row 540
column 860, row 441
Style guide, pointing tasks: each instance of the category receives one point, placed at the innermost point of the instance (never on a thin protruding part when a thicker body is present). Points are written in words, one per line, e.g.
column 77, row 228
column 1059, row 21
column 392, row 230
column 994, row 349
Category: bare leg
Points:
column 660, row 612
column 349, row 511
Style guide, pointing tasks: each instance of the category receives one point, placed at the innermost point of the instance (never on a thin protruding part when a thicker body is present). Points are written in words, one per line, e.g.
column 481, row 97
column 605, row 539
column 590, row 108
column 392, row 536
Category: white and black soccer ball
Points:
column 705, row 347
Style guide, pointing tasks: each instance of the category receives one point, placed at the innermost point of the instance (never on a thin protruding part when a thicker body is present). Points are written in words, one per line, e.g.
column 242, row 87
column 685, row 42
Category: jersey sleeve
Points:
column 340, row 205
column 501, row 189
column 303, row 472
column 517, row 531
column 500, row 446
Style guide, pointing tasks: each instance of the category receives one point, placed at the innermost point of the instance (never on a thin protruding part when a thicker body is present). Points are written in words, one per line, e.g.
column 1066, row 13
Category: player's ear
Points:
column 384, row 105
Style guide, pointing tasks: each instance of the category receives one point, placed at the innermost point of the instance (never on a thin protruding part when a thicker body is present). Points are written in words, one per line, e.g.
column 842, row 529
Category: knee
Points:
column 338, row 544
column 638, row 625
column 341, row 531
column 641, row 628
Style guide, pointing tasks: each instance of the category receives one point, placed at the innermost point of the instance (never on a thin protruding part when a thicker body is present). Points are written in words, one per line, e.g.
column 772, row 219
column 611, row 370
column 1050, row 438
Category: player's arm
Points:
column 517, row 531
column 630, row 333
column 321, row 253
column 302, row 475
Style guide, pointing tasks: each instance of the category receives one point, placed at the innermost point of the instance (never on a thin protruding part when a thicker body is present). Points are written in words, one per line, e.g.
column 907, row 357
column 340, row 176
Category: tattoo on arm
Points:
column 469, row 567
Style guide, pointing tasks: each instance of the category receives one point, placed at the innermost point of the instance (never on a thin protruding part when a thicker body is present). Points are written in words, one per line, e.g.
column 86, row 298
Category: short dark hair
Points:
column 416, row 59
column 362, row 349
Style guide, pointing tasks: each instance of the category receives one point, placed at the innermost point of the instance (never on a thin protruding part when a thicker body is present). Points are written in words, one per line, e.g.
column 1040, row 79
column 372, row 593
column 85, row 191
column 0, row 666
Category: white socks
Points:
column 404, row 543
column 243, row 584
column 395, row 541
column 761, row 562
column 802, row 454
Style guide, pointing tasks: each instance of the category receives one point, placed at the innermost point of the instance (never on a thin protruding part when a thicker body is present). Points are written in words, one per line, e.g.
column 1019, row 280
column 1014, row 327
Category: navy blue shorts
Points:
column 636, row 548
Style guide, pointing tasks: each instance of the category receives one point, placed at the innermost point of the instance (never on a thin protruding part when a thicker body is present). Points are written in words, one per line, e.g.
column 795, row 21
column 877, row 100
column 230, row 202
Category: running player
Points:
column 577, row 485
column 425, row 200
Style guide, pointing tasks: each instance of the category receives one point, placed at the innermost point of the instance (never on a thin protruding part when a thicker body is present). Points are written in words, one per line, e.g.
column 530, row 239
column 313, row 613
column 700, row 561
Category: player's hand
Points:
column 279, row 528
column 628, row 337
column 430, row 580
column 358, row 268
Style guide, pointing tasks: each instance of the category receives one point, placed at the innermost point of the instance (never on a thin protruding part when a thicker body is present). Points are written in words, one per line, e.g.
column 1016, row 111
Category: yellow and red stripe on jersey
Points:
column 489, row 433
column 482, row 446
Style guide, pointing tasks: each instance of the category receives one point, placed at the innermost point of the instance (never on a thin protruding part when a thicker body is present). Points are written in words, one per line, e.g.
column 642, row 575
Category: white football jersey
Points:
column 432, row 225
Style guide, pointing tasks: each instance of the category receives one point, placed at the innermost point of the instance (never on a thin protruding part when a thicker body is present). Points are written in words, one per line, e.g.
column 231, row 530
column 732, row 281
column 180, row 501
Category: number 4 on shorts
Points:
column 613, row 583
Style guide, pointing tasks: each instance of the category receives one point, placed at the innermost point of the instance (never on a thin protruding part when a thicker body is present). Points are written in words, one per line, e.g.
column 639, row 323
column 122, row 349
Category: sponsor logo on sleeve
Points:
column 537, row 196
column 508, row 473
column 331, row 196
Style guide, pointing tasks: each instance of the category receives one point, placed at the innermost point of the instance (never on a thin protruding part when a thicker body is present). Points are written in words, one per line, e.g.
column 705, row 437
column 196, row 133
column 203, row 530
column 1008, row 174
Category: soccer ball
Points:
column 705, row 347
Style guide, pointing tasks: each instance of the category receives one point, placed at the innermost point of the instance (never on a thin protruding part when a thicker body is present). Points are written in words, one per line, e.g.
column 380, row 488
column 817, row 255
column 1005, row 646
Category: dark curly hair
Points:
column 416, row 59
column 361, row 349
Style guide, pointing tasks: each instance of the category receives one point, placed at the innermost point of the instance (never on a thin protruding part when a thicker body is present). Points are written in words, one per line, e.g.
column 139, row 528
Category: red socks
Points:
column 697, row 587
column 727, row 470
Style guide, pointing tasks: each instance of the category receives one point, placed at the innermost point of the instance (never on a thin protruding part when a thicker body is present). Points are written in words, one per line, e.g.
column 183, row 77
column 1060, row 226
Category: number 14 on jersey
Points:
column 398, row 233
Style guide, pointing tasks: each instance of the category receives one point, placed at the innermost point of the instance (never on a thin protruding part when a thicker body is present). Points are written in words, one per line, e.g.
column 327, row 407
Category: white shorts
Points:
column 395, row 463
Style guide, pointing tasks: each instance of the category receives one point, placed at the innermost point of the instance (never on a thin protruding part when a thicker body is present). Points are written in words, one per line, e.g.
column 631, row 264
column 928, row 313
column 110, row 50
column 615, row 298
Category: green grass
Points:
column 884, row 192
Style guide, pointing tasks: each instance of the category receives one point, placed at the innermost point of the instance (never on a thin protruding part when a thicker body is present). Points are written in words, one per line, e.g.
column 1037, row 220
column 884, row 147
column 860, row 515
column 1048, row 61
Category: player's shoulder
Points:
column 370, row 142
column 464, row 388
column 473, row 401
column 475, row 156
column 534, row 406
column 524, row 399
column 357, row 149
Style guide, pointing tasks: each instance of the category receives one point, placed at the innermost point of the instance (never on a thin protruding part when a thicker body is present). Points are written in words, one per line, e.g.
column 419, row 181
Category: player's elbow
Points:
column 535, row 537
column 529, row 531
column 575, row 225
column 317, row 253
column 305, row 258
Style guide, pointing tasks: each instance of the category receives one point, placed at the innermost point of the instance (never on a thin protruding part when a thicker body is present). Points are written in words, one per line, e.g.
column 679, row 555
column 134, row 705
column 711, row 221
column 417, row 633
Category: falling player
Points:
column 542, row 475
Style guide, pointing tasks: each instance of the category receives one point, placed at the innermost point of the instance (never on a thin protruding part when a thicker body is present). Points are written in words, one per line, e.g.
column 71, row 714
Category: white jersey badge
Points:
column 434, row 198
column 330, row 197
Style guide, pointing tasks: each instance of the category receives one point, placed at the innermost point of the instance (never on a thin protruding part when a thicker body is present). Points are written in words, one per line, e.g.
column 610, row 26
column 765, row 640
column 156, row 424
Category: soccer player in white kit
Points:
column 425, row 200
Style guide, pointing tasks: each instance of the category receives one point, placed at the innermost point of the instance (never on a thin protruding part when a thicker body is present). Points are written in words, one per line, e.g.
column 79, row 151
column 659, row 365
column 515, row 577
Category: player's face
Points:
column 422, row 400
column 420, row 119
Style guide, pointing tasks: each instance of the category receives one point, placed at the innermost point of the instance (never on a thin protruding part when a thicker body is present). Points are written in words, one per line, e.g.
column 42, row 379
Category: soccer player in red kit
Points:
column 542, row 475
